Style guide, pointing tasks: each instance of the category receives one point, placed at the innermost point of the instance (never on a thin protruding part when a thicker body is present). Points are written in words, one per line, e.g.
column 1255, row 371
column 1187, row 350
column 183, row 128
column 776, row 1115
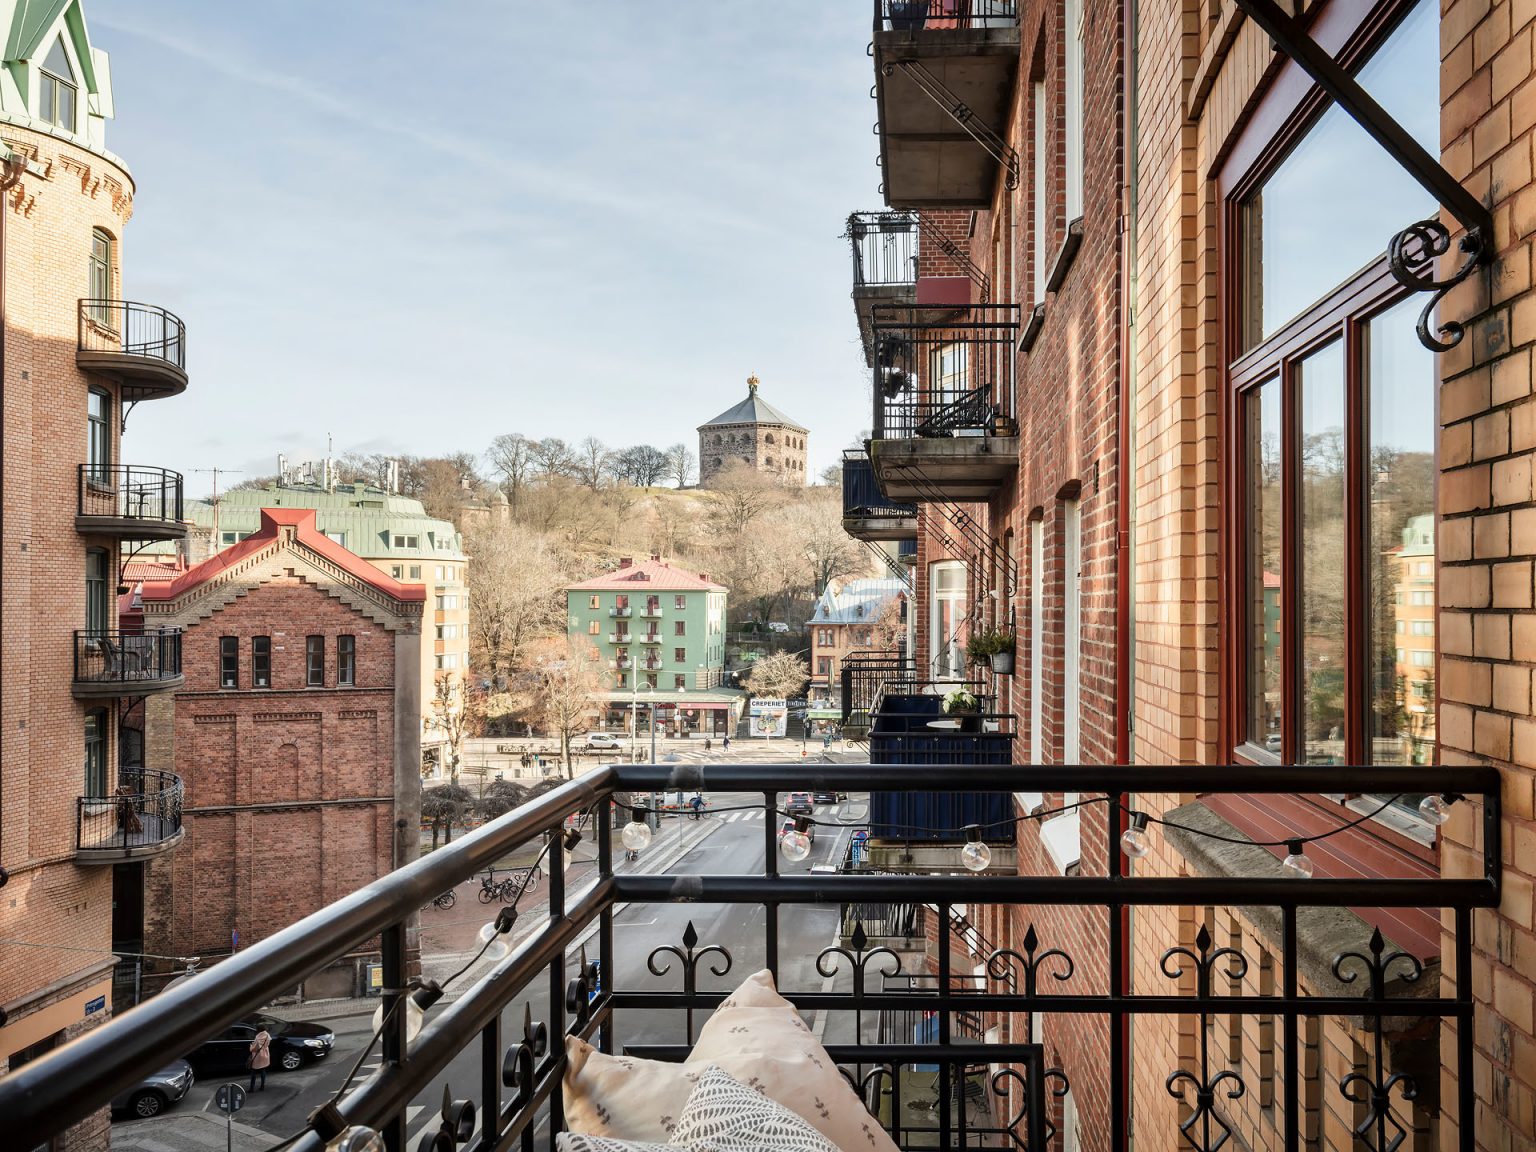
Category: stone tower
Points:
column 757, row 433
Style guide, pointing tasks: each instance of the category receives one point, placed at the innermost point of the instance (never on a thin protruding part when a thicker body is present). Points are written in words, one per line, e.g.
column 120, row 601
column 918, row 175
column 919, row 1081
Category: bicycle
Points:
column 445, row 900
column 490, row 887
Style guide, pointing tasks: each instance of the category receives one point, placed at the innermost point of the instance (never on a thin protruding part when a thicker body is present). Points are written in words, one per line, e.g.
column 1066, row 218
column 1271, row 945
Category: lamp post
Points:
column 650, row 706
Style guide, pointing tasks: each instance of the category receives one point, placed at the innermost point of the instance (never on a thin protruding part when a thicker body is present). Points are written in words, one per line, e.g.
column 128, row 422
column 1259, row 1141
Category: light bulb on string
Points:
column 636, row 835
column 415, row 1003
column 794, row 843
column 1436, row 807
column 359, row 1138
column 568, row 842
column 976, row 856
column 1297, row 863
column 1134, row 841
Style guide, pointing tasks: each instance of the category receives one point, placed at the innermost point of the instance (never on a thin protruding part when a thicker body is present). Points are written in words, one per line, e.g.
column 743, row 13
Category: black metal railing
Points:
column 518, row 1080
column 112, row 656
column 865, row 674
column 130, row 492
column 862, row 497
column 145, row 811
column 884, row 249
column 943, row 373
column 131, row 329
column 920, row 15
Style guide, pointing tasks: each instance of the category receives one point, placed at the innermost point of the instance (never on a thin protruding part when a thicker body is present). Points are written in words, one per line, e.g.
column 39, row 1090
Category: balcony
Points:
column 129, row 502
column 620, row 612
column 651, row 612
column 884, row 266
column 141, row 819
column 944, row 75
column 867, row 675
column 652, row 665
column 623, row 663
column 867, row 514
column 141, row 346
column 944, row 423
column 495, row 1052
column 651, row 638
column 620, row 638
column 110, row 662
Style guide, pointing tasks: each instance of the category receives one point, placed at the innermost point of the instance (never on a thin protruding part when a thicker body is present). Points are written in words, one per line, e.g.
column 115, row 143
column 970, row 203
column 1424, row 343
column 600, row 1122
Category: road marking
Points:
column 633, row 923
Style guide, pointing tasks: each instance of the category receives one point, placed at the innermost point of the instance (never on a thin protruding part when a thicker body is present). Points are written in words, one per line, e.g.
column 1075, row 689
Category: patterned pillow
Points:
column 724, row 1115
column 577, row 1142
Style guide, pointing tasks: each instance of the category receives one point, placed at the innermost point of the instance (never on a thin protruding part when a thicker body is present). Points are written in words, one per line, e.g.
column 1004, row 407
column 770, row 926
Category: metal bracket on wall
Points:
column 961, row 113
column 1413, row 252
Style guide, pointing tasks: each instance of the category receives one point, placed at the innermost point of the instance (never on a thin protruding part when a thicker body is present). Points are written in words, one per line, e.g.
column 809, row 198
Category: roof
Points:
column 841, row 603
column 653, row 575
column 753, row 410
column 305, row 535
column 136, row 570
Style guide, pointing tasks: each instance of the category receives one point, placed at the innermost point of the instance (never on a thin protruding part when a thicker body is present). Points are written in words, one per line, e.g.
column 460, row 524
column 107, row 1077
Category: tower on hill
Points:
column 756, row 433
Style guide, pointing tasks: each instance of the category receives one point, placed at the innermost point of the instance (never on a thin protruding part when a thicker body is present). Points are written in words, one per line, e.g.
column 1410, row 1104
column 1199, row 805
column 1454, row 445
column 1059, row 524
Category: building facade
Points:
column 754, row 433
column 295, row 736
column 78, row 816
column 852, row 616
column 659, row 634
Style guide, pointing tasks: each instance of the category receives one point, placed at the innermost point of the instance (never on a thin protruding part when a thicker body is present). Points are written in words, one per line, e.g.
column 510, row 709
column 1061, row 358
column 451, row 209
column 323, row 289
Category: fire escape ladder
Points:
column 1413, row 253
column 932, row 234
column 959, row 111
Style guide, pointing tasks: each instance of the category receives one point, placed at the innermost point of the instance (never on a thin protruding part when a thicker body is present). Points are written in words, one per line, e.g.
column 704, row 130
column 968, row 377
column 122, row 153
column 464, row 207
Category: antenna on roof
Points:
column 215, row 500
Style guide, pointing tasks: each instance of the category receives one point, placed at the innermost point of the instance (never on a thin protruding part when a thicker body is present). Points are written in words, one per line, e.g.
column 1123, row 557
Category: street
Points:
column 729, row 839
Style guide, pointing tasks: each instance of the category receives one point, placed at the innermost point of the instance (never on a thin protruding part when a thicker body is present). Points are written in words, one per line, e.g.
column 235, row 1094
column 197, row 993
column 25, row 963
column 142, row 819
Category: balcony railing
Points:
column 620, row 638
column 111, row 662
column 622, row 662
column 935, row 15
column 142, row 818
column 884, row 250
column 944, row 372
column 866, row 675
column 867, row 513
column 1191, row 987
column 651, row 638
column 130, row 501
column 143, row 345
column 624, row 612
column 651, row 612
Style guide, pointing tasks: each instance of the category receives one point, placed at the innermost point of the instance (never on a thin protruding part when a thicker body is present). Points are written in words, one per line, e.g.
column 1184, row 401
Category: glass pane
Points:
column 66, row 117
column 1310, row 228
column 57, row 61
column 1264, row 566
column 1320, row 556
column 1401, row 483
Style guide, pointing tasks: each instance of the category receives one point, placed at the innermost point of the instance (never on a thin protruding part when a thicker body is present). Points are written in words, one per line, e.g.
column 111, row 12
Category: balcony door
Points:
column 946, row 616
column 948, row 379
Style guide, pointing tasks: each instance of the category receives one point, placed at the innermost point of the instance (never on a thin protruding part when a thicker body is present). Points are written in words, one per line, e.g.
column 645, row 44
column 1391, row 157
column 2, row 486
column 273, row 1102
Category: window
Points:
column 441, row 573
column 99, row 277
column 621, row 601
column 1335, row 423
column 413, row 572
column 406, row 541
column 228, row 538
column 824, row 666
column 680, row 602
column 96, row 752
column 680, row 628
column 57, row 88
column 1036, row 641
column 98, row 603
column 346, row 660
column 946, row 615
column 98, row 435
column 947, row 376
column 337, row 538
column 398, row 572
column 1074, row 109
column 1037, row 191
column 680, row 682
column 592, row 602
column 594, row 628
column 229, row 662
column 650, row 681
column 1072, row 612
column 680, row 655
column 314, row 661
column 261, row 661
column 620, row 680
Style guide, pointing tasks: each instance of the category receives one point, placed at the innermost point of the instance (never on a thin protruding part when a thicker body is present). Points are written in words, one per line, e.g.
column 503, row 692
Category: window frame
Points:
column 229, row 663
column 261, row 662
column 314, row 650
column 96, row 749
column 346, row 660
column 70, row 83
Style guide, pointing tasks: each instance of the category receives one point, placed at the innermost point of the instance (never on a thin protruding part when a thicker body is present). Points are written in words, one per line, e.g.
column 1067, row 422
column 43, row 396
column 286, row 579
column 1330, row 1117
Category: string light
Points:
column 568, row 842
column 637, row 833
column 976, row 856
column 1297, row 863
column 1436, row 807
column 423, row 994
column 1134, row 841
column 360, row 1138
column 794, row 843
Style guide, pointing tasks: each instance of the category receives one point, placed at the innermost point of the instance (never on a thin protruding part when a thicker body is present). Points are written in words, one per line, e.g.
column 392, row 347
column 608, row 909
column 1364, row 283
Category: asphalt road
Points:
column 737, row 845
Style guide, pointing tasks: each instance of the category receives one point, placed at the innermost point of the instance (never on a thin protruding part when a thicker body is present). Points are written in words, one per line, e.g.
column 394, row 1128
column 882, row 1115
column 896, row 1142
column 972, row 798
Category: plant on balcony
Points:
column 994, row 647
column 908, row 15
column 961, row 703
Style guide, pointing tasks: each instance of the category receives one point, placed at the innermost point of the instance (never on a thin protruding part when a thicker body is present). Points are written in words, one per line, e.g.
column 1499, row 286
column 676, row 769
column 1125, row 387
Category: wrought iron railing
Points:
column 518, row 1079
column 132, row 329
column 862, row 497
column 944, row 372
column 145, row 811
column 864, row 676
column 110, row 656
column 130, row 492
column 919, row 15
column 884, row 249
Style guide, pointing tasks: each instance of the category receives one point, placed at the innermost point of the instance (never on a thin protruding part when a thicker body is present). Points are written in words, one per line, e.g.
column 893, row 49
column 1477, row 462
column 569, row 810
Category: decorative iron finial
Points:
column 752, row 384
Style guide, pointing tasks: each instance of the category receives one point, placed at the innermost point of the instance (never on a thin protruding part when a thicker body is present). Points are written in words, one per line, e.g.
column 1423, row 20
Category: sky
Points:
column 417, row 226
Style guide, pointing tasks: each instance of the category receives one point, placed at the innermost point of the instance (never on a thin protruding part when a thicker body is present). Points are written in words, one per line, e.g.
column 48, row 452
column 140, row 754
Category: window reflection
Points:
column 1264, row 566
column 1321, row 556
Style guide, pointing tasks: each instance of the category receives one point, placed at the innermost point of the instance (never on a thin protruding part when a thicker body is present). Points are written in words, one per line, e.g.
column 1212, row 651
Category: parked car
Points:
column 789, row 826
column 826, row 797
column 154, row 1093
column 602, row 740
column 294, row 1044
column 777, row 626
column 799, row 804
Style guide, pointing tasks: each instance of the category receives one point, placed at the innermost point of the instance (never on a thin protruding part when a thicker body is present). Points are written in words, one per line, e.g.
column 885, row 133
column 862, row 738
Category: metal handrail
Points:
column 884, row 248
column 132, row 329
column 130, row 492
column 145, row 810
column 935, row 15
column 940, row 372
column 114, row 655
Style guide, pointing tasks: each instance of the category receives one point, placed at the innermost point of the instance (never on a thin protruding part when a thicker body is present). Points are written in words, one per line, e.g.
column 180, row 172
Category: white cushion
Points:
column 724, row 1115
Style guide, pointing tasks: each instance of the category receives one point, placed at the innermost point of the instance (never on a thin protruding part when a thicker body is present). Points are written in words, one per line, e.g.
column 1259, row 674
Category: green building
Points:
column 659, row 632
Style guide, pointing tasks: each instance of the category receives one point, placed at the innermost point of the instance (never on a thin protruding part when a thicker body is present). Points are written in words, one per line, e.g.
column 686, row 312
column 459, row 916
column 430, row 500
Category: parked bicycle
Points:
column 507, row 888
column 444, row 901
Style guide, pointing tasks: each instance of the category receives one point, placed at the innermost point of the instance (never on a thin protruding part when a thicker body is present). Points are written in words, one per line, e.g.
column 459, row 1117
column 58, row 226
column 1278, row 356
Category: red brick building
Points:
column 295, row 735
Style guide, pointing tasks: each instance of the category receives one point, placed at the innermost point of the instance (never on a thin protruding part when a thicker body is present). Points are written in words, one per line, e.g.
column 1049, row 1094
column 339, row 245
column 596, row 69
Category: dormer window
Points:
column 56, row 92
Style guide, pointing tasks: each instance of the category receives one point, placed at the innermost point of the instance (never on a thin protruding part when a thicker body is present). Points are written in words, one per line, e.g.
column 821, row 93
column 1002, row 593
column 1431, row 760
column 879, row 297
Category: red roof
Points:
column 654, row 575
column 153, row 570
column 273, row 520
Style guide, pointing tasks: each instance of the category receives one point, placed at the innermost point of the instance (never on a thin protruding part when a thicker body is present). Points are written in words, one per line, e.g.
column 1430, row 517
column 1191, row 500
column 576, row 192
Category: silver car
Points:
column 155, row 1092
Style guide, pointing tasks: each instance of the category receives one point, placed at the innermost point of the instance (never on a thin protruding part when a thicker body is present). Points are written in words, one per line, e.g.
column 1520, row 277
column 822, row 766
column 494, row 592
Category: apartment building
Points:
column 295, row 738
column 853, row 616
column 79, row 815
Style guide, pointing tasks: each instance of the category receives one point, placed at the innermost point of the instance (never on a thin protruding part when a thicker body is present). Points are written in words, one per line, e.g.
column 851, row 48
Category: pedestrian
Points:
column 698, row 805
column 727, row 743
column 826, row 742
column 260, row 1058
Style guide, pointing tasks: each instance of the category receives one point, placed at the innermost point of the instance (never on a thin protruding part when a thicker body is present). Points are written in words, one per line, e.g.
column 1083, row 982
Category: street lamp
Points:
column 650, row 705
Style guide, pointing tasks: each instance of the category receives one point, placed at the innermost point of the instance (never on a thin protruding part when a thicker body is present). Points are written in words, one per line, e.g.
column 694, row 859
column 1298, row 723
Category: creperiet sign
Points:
column 769, row 717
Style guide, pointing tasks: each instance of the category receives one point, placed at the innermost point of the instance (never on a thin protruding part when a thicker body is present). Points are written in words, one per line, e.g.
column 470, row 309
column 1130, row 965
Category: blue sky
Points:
column 417, row 226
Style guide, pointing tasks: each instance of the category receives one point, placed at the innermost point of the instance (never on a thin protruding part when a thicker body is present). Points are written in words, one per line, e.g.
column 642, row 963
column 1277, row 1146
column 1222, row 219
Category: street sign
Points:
column 96, row 1005
column 230, row 1097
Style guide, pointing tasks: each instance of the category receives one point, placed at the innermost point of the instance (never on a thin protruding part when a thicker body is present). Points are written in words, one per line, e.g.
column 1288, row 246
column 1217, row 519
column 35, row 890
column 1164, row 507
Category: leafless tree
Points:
column 566, row 675
column 551, row 456
column 681, row 461
column 515, row 587
column 455, row 714
column 591, row 462
column 738, row 495
column 510, row 457
column 781, row 674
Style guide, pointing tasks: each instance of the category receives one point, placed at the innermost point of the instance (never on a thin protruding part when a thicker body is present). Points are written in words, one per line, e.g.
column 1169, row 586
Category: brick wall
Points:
column 770, row 448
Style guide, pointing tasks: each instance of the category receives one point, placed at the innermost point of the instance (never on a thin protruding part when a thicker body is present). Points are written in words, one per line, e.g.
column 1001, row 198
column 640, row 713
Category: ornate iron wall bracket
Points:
column 961, row 113
column 1413, row 252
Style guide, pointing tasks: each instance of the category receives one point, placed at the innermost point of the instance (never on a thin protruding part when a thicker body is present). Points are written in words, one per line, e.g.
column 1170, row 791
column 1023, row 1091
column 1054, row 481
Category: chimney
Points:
column 626, row 562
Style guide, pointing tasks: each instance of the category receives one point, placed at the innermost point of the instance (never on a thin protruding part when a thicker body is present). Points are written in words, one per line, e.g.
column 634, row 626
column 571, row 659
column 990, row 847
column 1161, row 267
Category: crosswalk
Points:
column 757, row 813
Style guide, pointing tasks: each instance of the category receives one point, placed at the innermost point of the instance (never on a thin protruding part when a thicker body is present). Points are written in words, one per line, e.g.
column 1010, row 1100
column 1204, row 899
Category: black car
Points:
column 826, row 796
column 294, row 1044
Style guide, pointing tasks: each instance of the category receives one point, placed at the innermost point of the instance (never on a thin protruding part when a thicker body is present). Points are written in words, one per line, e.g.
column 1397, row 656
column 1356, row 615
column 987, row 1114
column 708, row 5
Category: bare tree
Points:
column 551, row 456
column 567, row 674
column 781, row 674
column 738, row 495
column 813, row 526
column 510, row 456
column 681, row 462
column 515, row 585
column 591, row 462
column 455, row 713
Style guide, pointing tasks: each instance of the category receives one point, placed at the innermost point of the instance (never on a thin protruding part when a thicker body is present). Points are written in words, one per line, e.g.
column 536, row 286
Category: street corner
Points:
column 188, row 1131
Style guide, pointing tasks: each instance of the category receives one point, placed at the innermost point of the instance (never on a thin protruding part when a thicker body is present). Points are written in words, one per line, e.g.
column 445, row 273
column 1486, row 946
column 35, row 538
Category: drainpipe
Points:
column 13, row 166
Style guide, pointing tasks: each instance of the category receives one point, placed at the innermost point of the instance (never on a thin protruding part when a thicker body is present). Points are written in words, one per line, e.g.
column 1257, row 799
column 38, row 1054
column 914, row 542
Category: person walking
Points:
column 697, row 804
column 261, row 1058
column 727, row 743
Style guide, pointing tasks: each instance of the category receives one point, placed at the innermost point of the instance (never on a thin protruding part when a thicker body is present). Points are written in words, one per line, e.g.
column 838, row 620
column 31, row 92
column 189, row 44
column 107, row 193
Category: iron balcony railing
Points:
column 111, row 657
column 651, row 612
column 130, row 492
column 862, row 497
column 131, row 329
column 884, row 249
column 144, row 813
column 943, row 372
column 920, row 15
column 865, row 674
column 618, row 612
column 574, row 974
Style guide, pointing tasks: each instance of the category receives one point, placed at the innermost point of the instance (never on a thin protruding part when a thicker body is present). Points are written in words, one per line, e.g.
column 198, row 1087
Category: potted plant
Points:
column 992, row 646
column 965, row 708
column 908, row 15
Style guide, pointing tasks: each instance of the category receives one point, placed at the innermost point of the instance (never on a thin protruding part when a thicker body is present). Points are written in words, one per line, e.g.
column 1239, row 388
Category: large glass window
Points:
column 98, row 604
column 57, row 88
column 229, row 661
column 346, row 660
column 314, row 661
column 1321, row 565
column 1265, row 704
column 98, row 434
column 946, row 617
column 96, row 752
column 261, row 661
